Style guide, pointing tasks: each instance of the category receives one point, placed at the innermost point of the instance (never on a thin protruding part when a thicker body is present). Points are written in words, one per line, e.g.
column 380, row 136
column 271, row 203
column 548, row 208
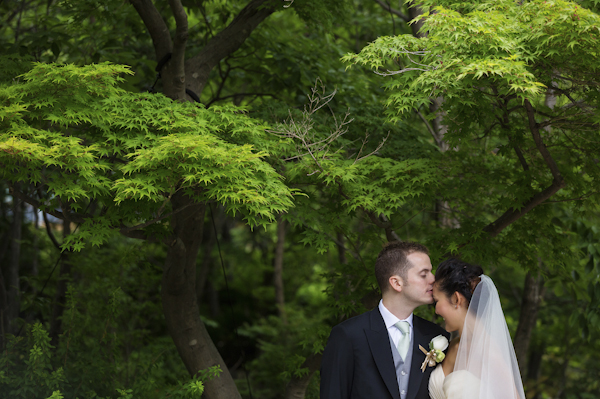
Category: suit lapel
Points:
column 379, row 343
column 421, row 337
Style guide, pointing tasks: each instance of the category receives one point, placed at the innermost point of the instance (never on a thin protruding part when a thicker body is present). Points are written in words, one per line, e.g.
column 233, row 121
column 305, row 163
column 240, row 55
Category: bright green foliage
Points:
column 121, row 156
column 488, row 61
column 480, row 49
column 342, row 171
column 73, row 132
column 194, row 388
column 378, row 185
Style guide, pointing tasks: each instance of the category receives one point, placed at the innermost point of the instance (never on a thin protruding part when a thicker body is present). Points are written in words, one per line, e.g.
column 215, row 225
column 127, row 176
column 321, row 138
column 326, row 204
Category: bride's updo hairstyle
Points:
column 454, row 275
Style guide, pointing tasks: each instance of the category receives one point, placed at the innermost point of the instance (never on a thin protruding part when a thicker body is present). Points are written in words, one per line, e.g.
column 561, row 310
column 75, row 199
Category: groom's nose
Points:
column 431, row 278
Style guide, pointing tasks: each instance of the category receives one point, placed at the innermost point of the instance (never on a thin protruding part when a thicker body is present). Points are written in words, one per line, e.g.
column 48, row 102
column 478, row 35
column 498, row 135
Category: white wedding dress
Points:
column 457, row 385
column 486, row 366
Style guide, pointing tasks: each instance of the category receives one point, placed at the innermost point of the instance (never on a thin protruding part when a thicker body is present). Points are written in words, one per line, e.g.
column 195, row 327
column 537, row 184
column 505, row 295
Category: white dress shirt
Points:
column 390, row 320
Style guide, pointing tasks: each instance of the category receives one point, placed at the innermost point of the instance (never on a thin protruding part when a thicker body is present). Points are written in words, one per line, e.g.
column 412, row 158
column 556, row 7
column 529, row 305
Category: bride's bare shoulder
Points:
column 450, row 359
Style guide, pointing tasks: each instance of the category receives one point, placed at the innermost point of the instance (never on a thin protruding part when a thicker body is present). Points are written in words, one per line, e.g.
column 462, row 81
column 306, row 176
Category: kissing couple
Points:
column 389, row 353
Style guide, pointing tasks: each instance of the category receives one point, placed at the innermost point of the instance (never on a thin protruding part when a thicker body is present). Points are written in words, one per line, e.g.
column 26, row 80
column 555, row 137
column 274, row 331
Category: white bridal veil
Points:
column 485, row 353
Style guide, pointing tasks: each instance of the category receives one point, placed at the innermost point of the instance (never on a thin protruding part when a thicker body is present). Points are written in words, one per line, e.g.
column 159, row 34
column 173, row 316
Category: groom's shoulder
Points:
column 358, row 321
column 430, row 326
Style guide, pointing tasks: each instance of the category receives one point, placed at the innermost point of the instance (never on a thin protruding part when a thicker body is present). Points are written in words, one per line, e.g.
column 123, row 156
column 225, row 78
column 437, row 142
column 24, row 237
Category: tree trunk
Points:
column 278, row 268
column 35, row 244
column 180, row 306
column 179, row 295
column 205, row 266
column 534, row 372
column 3, row 311
column 213, row 231
column 60, row 296
column 341, row 249
column 565, row 365
column 413, row 12
column 533, row 293
column 11, row 272
column 296, row 388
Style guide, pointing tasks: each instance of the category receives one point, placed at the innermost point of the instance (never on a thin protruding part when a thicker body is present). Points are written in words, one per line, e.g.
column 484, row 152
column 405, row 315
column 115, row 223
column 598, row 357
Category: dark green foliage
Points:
column 80, row 134
column 113, row 344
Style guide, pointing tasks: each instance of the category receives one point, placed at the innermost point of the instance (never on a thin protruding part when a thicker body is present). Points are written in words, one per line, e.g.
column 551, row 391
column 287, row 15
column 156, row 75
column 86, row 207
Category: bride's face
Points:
column 451, row 311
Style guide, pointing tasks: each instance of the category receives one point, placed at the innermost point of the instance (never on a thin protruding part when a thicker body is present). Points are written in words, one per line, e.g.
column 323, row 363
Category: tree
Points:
column 348, row 204
column 117, row 162
column 516, row 78
column 60, row 31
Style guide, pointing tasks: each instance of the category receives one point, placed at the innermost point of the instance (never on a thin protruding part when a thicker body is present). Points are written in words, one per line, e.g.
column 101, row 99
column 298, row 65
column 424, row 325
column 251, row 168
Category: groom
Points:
column 376, row 355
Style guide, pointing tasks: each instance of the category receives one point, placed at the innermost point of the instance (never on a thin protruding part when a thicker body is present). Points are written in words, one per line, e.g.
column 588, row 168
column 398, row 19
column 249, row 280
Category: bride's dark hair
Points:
column 454, row 275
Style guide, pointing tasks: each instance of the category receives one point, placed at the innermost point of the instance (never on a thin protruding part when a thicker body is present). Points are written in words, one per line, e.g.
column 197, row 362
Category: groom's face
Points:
column 418, row 287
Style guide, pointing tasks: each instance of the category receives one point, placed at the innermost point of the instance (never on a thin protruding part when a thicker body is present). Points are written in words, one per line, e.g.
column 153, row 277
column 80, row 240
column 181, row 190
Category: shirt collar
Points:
column 389, row 319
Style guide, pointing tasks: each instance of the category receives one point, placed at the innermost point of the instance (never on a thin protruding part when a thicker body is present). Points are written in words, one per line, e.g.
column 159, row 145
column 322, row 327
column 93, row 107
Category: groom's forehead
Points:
column 420, row 268
column 419, row 261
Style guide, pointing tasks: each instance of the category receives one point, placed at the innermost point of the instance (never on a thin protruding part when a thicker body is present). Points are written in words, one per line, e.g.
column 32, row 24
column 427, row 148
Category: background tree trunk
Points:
column 207, row 259
column 278, row 268
column 533, row 293
column 64, row 275
column 11, row 271
column 534, row 371
column 180, row 306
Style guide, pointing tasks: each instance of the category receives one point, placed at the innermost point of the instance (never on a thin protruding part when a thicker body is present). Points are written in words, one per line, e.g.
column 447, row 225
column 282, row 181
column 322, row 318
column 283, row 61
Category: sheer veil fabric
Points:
column 486, row 352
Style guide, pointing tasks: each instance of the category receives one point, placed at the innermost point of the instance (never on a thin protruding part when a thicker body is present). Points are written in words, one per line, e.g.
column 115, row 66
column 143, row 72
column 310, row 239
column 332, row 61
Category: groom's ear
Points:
column 396, row 283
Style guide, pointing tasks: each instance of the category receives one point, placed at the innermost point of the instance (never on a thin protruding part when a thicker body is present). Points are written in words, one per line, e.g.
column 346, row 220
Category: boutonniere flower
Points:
column 435, row 354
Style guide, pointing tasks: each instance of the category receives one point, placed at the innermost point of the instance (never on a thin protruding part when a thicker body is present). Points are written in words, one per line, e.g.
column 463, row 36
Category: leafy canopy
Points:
column 473, row 47
column 77, row 139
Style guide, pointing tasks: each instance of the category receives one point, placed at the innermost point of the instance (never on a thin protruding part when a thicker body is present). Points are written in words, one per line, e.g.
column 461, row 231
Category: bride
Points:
column 480, row 363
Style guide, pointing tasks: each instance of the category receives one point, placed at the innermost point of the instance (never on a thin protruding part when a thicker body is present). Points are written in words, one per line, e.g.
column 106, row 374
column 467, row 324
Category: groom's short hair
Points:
column 393, row 260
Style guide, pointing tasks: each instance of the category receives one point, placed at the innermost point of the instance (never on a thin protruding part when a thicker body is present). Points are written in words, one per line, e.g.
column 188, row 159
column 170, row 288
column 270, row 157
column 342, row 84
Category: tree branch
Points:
column 159, row 32
column 514, row 214
column 140, row 235
column 125, row 230
column 226, row 42
column 214, row 100
column 398, row 13
column 580, row 198
column 37, row 204
column 521, row 158
column 537, row 138
column 431, row 131
column 336, row 241
column 176, row 66
column 49, row 231
column 383, row 222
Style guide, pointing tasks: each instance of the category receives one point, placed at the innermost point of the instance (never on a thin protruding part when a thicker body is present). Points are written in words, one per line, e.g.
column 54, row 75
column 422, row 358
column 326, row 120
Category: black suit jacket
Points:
column 358, row 364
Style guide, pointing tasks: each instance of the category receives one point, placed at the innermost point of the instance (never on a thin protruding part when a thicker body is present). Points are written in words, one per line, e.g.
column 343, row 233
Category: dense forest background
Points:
column 193, row 192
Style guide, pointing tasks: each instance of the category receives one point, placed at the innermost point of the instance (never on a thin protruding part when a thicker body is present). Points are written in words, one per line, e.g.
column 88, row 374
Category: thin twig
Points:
column 149, row 222
column 374, row 151
column 391, row 10
column 429, row 127
column 391, row 73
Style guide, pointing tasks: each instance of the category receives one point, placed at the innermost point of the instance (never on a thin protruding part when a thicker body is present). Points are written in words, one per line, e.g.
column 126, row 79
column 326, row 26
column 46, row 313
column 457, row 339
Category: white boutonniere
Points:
column 435, row 354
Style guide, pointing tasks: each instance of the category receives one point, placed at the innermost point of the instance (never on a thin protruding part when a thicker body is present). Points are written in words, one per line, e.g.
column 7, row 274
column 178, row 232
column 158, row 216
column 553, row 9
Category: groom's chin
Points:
column 428, row 302
column 430, row 296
